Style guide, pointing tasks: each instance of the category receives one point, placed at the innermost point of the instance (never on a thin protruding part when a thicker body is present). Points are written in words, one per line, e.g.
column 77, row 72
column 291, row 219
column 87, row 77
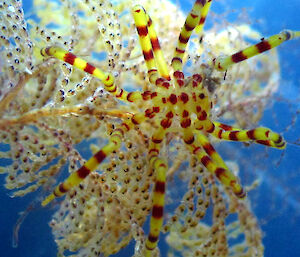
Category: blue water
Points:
column 276, row 203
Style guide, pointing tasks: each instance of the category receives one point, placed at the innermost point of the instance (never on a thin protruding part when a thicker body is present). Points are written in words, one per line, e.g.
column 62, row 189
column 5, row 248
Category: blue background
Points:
column 276, row 202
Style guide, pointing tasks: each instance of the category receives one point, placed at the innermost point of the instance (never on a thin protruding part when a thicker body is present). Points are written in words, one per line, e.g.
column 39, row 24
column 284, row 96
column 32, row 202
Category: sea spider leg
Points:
column 222, row 63
column 114, row 144
column 204, row 13
column 259, row 135
column 160, row 169
column 191, row 22
column 149, row 44
column 106, row 78
column 205, row 152
column 215, row 164
column 209, row 149
column 200, row 146
column 158, row 54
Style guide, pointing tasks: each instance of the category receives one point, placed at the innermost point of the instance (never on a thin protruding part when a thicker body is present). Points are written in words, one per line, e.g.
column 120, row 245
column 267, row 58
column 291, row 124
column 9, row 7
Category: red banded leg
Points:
column 259, row 135
column 160, row 169
column 151, row 48
column 222, row 63
column 158, row 196
column 209, row 149
column 205, row 152
column 90, row 165
column 141, row 16
column 191, row 22
column 106, row 78
column 204, row 13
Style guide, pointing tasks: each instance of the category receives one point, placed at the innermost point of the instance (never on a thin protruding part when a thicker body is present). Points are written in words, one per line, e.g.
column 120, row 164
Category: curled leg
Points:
column 259, row 135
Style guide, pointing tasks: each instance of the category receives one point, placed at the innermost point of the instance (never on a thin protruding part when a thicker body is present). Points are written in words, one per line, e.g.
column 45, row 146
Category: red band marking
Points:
column 148, row 55
column 205, row 160
column 157, row 211
column 155, row 44
column 62, row 188
column 238, row 57
column 100, row 156
column 142, row 31
column 89, row 68
column 152, row 239
column 160, row 187
column 83, row 172
column 209, row 149
column 70, row 58
column 263, row 46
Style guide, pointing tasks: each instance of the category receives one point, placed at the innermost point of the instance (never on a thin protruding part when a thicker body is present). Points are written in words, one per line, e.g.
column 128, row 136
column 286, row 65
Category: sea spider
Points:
column 176, row 105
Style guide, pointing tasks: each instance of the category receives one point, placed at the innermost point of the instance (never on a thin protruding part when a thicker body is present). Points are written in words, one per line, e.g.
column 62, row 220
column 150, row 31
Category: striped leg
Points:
column 222, row 63
column 204, row 13
column 78, row 176
column 150, row 46
column 191, row 22
column 214, row 164
column 259, row 135
column 158, row 196
column 210, row 150
column 106, row 78
column 158, row 54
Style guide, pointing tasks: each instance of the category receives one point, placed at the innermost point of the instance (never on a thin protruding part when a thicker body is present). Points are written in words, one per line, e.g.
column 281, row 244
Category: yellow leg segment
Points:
column 156, row 221
column 222, row 63
column 106, row 78
column 204, row 13
column 210, row 150
column 191, row 22
column 140, row 19
column 158, row 54
column 160, row 169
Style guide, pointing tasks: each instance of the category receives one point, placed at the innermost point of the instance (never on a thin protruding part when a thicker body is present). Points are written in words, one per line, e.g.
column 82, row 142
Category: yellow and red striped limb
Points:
column 158, row 196
column 204, row 12
column 158, row 54
column 78, row 176
column 106, row 78
column 222, row 63
column 207, row 155
column 90, row 165
column 152, row 53
column 259, row 135
column 160, row 170
column 209, row 149
column 191, row 22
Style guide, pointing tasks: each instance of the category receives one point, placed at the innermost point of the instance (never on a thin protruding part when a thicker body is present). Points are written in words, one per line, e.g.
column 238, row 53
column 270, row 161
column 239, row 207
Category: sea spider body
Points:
column 177, row 105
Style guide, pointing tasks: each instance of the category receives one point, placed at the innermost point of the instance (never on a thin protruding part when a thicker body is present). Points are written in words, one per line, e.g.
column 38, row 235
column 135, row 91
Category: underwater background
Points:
column 276, row 202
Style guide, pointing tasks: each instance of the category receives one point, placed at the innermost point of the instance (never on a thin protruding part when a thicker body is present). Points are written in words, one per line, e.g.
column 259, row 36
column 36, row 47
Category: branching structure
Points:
column 171, row 107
